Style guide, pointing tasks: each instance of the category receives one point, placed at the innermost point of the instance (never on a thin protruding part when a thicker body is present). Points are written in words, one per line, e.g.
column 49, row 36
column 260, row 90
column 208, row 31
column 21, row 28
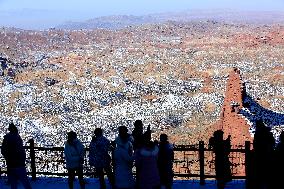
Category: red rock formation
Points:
column 231, row 122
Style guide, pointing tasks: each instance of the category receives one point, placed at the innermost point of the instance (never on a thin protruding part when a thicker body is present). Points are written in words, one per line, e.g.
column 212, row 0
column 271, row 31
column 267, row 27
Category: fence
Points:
column 191, row 161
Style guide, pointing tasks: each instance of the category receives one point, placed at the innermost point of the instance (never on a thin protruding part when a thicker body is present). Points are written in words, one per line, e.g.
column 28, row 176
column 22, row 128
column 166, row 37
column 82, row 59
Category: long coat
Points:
column 147, row 163
column 123, row 163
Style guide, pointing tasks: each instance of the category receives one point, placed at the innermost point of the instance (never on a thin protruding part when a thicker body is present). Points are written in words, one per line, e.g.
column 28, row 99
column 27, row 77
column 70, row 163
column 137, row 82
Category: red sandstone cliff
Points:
column 231, row 122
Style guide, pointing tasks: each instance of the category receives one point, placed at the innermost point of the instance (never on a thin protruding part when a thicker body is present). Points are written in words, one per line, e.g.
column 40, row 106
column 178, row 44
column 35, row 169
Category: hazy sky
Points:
column 47, row 13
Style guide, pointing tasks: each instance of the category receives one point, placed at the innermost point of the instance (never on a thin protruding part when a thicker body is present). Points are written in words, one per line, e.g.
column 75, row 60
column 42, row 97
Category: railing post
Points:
column 201, row 161
column 32, row 156
column 247, row 162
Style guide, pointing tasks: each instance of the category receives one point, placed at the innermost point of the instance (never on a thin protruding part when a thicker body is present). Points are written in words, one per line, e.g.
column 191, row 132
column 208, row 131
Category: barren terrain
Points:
column 172, row 76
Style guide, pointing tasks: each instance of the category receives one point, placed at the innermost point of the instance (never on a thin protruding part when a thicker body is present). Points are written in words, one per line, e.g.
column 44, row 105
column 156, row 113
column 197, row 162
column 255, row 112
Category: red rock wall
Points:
column 230, row 121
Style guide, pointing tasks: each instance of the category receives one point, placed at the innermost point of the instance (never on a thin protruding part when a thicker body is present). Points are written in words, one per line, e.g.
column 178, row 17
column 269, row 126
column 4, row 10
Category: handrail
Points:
column 187, row 158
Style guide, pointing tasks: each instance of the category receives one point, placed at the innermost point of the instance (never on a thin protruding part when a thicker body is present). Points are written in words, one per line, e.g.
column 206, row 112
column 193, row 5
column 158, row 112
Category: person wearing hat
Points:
column 14, row 153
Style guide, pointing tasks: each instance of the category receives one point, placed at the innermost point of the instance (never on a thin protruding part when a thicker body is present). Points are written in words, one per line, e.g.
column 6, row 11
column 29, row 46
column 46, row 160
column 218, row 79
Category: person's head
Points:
column 163, row 138
column 218, row 134
column 98, row 132
column 123, row 132
column 138, row 126
column 12, row 128
column 71, row 136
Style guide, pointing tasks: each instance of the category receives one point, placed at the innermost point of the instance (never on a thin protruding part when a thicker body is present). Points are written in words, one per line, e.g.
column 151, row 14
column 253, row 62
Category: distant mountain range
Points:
column 121, row 21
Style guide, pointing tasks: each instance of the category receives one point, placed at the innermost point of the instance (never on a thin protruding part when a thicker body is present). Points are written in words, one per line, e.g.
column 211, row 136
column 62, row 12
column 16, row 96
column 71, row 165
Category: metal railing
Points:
column 191, row 161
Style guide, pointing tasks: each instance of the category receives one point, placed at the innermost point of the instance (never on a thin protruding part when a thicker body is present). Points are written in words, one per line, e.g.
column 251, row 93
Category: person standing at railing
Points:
column 99, row 157
column 263, row 144
column 138, row 139
column 123, row 160
column 165, row 161
column 221, row 148
column 15, row 156
column 74, row 155
column 146, row 161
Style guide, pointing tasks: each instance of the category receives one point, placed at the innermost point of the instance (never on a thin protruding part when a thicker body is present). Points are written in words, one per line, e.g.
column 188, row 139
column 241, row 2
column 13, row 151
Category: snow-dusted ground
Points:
column 61, row 183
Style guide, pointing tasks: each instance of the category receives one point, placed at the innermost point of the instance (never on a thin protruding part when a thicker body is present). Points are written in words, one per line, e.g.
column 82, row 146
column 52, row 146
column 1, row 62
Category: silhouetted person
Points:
column 165, row 161
column 123, row 160
column 99, row 157
column 146, row 160
column 138, row 134
column 74, row 155
column 15, row 156
column 221, row 148
column 263, row 144
column 139, row 138
column 279, row 162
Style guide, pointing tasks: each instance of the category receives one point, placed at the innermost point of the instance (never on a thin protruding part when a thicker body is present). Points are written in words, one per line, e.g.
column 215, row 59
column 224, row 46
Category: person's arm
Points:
column 137, row 158
column 172, row 153
column 129, row 155
column 228, row 145
column 108, row 146
column 91, row 154
column 211, row 143
column 81, row 153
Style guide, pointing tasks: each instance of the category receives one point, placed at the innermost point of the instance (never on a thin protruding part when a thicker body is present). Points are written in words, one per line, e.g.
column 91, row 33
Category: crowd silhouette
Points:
column 153, row 160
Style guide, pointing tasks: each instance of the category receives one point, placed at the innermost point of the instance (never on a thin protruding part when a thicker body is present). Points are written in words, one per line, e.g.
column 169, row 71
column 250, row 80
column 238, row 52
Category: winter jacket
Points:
column 74, row 154
column 98, row 156
column 146, row 161
column 123, row 163
column 13, row 150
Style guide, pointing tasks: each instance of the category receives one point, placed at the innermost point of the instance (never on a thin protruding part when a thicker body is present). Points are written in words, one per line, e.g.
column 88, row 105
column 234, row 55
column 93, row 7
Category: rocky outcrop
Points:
column 231, row 121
